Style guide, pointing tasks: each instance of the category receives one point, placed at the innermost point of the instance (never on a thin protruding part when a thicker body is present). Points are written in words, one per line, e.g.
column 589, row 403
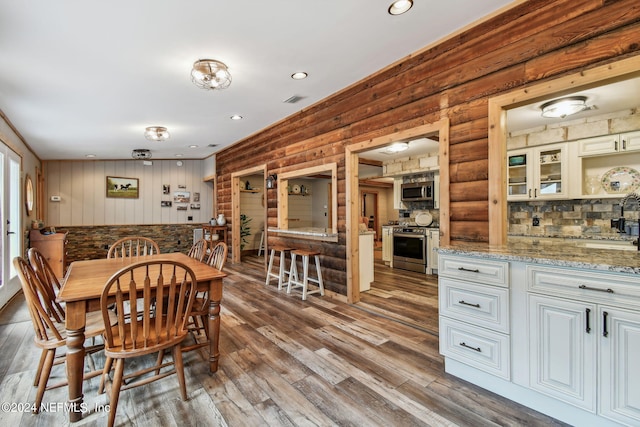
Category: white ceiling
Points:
column 606, row 98
column 86, row 77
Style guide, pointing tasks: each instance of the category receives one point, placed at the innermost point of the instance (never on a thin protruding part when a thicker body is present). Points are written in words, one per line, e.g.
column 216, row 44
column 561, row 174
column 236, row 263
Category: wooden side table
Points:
column 220, row 230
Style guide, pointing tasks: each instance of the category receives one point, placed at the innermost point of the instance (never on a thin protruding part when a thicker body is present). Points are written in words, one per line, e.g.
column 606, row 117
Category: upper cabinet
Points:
column 609, row 144
column 538, row 173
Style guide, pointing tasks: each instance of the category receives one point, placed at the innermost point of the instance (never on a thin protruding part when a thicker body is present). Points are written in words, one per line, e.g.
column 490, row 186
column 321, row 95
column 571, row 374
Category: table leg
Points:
column 215, row 296
column 75, row 324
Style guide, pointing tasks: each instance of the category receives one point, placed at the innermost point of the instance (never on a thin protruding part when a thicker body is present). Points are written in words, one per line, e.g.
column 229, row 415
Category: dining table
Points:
column 83, row 285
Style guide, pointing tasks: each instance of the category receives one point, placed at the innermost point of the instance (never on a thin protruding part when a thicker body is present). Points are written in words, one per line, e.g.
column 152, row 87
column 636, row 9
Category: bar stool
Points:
column 281, row 269
column 293, row 277
column 261, row 247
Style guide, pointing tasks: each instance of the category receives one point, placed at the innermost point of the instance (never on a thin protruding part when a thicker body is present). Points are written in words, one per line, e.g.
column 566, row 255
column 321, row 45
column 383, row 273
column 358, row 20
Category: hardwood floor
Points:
column 286, row 362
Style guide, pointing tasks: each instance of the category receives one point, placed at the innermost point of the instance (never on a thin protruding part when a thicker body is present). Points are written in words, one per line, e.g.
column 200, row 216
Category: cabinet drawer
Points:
column 486, row 306
column 474, row 346
column 591, row 286
column 474, row 269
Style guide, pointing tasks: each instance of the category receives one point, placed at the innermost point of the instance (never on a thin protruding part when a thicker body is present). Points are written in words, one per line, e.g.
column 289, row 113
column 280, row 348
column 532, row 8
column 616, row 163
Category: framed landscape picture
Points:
column 122, row 188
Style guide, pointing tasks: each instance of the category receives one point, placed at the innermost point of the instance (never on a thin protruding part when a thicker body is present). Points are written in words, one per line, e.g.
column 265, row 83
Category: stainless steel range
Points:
column 410, row 248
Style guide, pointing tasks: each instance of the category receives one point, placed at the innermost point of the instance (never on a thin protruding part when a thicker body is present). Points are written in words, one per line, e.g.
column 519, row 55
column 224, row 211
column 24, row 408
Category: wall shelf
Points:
column 250, row 191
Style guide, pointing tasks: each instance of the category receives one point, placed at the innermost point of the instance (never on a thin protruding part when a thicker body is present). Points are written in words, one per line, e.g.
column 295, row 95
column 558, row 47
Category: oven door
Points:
column 410, row 252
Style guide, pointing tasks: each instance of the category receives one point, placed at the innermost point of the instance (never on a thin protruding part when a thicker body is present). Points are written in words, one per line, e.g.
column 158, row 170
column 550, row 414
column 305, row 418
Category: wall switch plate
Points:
column 55, row 198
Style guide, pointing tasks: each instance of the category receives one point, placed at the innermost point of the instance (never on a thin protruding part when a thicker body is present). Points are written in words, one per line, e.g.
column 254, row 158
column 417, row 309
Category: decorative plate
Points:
column 621, row 180
column 424, row 219
column 295, row 189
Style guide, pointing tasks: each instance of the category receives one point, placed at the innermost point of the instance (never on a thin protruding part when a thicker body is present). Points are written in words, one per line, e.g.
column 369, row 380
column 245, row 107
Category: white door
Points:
column 10, row 222
column 562, row 349
column 619, row 334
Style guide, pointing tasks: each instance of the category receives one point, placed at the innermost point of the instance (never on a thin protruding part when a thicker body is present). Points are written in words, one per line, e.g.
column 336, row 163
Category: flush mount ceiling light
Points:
column 156, row 133
column 210, row 74
column 299, row 75
column 400, row 6
column 563, row 107
column 397, row 147
column 236, row 117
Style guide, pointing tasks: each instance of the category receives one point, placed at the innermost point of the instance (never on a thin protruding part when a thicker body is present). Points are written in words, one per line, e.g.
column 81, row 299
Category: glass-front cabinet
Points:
column 537, row 173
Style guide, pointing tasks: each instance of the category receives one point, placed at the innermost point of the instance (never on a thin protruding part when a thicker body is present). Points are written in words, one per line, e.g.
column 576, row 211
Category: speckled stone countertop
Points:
column 563, row 253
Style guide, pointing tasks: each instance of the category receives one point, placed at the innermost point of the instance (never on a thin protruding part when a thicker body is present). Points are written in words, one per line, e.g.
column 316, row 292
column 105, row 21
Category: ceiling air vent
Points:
column 293, row 99
column 141, row 153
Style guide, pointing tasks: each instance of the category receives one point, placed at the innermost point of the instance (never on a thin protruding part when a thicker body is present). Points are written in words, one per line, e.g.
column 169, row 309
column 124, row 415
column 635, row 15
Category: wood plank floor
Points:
column 285, row 362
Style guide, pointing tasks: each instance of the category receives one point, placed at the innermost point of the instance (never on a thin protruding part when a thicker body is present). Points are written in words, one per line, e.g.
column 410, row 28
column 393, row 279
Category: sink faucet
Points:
column 621, row 221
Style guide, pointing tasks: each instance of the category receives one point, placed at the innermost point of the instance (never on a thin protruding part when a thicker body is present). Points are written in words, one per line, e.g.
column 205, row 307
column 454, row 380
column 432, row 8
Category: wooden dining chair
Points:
column 46, row 275
column 199, row 316
column 172, row 285
column 131, row 246
column 48, row 320
column 199, row 250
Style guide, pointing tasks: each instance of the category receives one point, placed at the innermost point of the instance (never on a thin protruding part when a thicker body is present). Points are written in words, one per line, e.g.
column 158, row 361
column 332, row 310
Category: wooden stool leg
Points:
column 273, row 254
column 319, row 274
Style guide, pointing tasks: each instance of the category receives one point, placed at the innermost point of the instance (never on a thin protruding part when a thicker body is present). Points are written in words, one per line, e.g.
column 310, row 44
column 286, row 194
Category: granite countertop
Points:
column 563, row 253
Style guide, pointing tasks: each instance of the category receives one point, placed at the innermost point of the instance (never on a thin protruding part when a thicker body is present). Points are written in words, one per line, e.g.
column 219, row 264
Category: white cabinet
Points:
column 584, row 347
column 366, row 261
column 387, row 243
column 397, row 194
column 433, row 245
column 538, row 173
column 618, row 365
column 436, row 191
column 562, row 349
column 473, row 305
column 609, row 144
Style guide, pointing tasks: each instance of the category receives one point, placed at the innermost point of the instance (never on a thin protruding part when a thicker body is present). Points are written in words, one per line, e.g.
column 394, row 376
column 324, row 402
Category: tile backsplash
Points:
column 587, row 218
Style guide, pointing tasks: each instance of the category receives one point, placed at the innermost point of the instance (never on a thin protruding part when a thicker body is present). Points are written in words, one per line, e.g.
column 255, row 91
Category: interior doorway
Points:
column 369, row 210
column 248, row 212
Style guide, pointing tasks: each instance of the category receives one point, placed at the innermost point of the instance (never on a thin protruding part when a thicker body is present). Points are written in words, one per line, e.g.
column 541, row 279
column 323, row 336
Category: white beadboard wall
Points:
column 81, row 186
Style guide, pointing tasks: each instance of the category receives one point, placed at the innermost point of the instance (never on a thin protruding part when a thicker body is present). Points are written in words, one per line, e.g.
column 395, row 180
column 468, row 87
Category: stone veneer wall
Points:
column 92, row 242
column 588, row 218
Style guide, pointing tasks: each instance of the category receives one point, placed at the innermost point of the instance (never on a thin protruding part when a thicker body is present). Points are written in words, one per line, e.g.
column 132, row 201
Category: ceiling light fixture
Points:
column 397, row 147
column 563, row 107
column 156, row 133
column 400, row 6
column 299, row 75
column 210, row 74
column 236, row 117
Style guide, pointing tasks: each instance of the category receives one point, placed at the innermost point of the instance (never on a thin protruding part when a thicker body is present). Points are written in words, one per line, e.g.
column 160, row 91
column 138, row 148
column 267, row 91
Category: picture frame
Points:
column 122, row 188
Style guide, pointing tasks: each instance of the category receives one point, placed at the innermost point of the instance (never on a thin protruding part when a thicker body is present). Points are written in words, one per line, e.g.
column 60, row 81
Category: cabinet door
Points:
column 434, row 244
column 551, row 173
column 619, row 364
column 606, row 144
column 562, row 348
column 387, row 243
column 630, row 141
column 397, row 194
column 519, row 168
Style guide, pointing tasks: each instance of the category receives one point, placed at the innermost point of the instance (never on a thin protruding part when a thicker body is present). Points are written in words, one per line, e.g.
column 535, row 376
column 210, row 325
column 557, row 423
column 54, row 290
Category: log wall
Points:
column 529, row 43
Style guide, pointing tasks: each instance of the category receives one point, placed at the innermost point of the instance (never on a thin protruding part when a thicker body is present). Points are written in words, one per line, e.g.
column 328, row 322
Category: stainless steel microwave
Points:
column 417, row 191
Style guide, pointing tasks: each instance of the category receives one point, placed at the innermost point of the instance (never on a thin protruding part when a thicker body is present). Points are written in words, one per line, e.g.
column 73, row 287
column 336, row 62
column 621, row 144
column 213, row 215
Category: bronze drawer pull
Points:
column 468, row 303
column 608, row 290
column 469, row 270
column 472, row 348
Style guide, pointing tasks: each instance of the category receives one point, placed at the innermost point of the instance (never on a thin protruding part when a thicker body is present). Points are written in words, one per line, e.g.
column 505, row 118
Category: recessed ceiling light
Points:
column 299, row 75
column 400, row 6
column 90, row 156
column 179, row 155
column 193, row 146
column 236, row 117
